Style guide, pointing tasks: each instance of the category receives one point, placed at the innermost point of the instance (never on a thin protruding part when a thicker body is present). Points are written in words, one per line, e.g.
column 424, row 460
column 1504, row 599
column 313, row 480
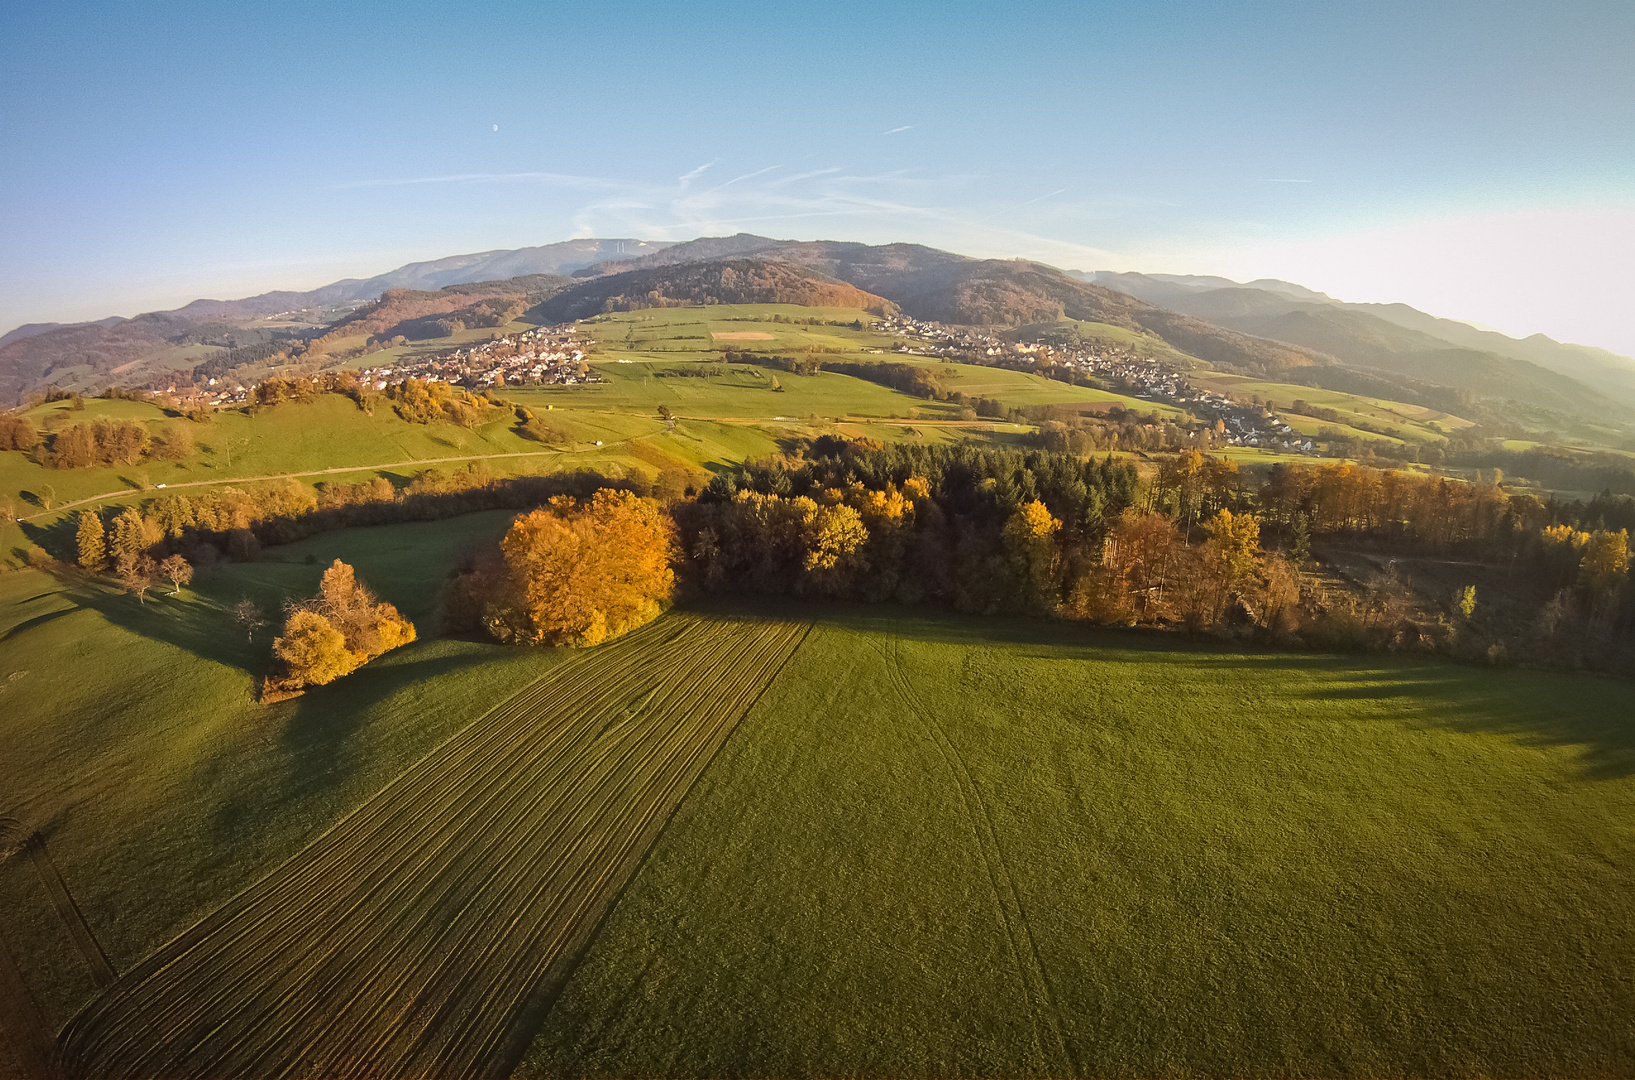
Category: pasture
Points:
column 423, row 934
column 134, row 743
column 1139, row 342
column 742, row 391
column 933, row 847
column 944, row 848
column 690, row 333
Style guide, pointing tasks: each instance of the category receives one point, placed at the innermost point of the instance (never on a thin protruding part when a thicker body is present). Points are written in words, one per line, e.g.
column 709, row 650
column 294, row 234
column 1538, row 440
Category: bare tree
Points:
column 248, row 617
column 178, row 570
column 137, row 576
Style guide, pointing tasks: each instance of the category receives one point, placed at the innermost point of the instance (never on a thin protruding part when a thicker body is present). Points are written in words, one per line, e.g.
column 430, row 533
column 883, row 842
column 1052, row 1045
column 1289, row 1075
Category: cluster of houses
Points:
column 1241, row 424
column 217, row 394
column 550, row 355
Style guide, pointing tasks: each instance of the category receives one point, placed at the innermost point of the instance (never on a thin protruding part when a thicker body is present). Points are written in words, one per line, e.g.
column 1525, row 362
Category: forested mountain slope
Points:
column 720, row 281
column 1399, row 340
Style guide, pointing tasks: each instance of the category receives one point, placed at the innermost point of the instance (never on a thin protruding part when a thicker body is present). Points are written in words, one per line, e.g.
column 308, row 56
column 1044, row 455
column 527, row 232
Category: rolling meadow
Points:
column 766, row 835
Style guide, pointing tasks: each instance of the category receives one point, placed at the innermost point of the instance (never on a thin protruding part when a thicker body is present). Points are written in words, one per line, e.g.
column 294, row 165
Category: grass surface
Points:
column 936, row 849
column 692, row 332
column 133, row 742
column 413, row 938
column 1139, row 342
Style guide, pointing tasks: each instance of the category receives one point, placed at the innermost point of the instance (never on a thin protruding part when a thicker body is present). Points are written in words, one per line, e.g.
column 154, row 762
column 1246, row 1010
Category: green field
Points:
column 707, row 332
column 134, row 742
column 942, row 848
column 899, row 844
column 1139, row 342
column 417, row 935
column 935, row 847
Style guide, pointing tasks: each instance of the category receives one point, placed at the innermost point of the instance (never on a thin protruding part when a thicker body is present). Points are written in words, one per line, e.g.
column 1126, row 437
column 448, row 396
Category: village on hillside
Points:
column 549, row 355
column 1242, row 423
column 558, row 355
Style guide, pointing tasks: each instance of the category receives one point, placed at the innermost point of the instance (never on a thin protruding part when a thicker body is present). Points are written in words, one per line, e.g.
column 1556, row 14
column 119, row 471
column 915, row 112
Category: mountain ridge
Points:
column 1266, row 328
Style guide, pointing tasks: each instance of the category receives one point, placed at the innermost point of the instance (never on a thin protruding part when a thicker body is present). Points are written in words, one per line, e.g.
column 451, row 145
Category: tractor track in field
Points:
column 22, row 1022
column 20, row 1016
column 1050, row 1036
column 422, row 934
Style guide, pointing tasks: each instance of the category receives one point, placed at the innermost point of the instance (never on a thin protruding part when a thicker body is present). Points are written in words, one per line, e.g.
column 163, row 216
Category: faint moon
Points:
column 496, row 127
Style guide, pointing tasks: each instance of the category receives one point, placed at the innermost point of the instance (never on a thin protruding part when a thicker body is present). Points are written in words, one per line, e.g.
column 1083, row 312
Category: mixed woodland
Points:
column 1194, row 546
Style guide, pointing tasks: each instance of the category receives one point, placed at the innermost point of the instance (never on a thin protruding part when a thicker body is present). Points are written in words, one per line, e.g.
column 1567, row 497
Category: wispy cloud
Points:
column 797, row 177
column 895, row 130
column 687, row 178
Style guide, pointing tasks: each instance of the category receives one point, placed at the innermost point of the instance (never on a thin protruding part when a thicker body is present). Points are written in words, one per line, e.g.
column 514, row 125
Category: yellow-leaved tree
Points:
column 1238, row 539
column 313, row 652
column 1030, row 540
column 578, row 573
column 334, row 633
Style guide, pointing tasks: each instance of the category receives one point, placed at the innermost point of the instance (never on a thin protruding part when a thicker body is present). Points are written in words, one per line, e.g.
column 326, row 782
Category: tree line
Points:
column 1193, row 543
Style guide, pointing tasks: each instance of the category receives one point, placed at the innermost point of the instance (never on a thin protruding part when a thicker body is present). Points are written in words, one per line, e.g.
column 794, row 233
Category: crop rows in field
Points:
column 424, row 934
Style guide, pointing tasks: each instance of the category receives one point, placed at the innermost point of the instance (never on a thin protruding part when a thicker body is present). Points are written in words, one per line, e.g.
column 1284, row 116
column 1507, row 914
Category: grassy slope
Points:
column 637, row 388
column 674, row 332
column 132, row 738
column 1163, row 862
column 419, row 350
column 1141, row 343
column 330, row 432
column 1416, row 423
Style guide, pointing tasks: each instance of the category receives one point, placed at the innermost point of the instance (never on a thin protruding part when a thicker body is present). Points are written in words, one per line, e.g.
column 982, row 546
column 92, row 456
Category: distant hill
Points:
column 419, row 314
column 91, row 355
column 551, row 259
column 932, row 284
column 1399, row 341
column 28, row 330
column 1267, row 328
column 716, row 281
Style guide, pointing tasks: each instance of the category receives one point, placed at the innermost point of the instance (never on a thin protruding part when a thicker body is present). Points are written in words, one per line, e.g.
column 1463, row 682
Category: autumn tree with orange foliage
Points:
column 334, row 633
column 576, row 572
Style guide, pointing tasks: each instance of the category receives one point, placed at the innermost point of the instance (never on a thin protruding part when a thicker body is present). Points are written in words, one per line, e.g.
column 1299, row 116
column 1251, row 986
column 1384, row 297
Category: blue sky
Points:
column 1477, row 160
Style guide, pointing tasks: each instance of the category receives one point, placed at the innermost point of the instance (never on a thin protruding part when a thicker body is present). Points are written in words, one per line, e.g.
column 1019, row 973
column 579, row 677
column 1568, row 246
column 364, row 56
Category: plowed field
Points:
column 425, row 934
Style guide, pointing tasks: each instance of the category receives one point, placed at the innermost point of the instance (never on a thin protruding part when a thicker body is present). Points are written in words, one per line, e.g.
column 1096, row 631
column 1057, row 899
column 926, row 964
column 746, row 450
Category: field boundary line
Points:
column 1017, row 928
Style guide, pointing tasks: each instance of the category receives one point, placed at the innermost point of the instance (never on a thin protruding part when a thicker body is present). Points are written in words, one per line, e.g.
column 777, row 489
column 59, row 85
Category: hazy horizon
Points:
column 1476, row 161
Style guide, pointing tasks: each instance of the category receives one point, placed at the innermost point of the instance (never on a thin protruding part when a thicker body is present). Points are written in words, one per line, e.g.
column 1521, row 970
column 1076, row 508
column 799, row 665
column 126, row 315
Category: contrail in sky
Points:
column 894, row 131
column 1045, row 196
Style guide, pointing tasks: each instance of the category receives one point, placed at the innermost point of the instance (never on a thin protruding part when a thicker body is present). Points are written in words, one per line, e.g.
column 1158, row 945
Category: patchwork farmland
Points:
column 425, row 933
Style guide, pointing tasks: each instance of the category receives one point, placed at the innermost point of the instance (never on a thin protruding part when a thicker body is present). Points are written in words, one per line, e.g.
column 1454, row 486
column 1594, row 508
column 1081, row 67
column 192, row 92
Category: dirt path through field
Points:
column 425, row 934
